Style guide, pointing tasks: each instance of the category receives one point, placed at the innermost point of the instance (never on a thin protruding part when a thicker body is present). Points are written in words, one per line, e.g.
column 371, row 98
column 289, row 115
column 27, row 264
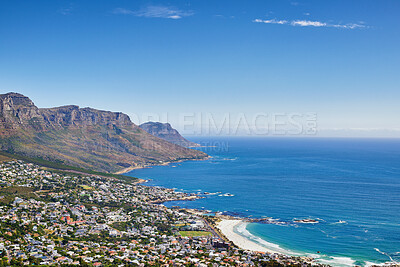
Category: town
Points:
column 49, row 217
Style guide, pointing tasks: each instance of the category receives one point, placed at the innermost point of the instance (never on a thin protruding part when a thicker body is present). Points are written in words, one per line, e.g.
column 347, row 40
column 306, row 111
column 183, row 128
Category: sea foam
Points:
column 324, row 259
column 336, row 261
column 241, row 229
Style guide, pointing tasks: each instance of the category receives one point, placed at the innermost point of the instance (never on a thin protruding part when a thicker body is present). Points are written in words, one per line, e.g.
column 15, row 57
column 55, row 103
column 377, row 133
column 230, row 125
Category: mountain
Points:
column 166, row 132
column 83, row 137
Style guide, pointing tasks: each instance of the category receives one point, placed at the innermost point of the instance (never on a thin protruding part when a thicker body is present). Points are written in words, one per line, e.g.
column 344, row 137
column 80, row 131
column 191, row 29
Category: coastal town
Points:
column 54, row 218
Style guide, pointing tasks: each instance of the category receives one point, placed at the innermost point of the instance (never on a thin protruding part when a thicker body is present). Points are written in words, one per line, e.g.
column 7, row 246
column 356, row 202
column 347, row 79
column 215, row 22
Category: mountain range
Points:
column 83, row 137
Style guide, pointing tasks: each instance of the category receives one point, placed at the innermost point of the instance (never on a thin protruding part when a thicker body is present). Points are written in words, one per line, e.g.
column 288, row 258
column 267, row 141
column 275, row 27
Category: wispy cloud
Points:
column 155, row 12
column 123, row 11
column 305, row 23
column 310, row 23
column 66, row 10
column 271, row 21
column 349, row 26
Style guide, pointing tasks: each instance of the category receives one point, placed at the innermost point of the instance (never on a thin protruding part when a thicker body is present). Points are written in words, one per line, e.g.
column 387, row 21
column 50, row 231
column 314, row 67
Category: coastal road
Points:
column 213, row 231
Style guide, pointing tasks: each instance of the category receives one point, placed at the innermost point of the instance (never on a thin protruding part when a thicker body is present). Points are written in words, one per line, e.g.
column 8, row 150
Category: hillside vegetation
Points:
column 82, row 137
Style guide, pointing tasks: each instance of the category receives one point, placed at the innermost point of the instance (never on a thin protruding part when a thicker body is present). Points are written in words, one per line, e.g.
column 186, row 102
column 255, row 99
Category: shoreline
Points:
column 227, row 226
column 129, row 169
column 185, row 198
column 140, row 181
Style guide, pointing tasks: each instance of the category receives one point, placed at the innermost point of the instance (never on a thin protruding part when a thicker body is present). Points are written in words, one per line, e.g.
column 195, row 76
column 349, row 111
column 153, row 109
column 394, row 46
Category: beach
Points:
column 227, row 228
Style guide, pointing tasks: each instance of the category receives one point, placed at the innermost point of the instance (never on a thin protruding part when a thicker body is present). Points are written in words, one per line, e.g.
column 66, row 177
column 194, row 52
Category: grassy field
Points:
column 86, row 187
column 4, row 158
column 8, row 194
column 194, row 233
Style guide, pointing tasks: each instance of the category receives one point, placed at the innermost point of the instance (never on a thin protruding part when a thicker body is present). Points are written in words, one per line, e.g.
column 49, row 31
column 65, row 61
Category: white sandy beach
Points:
column 227, row 228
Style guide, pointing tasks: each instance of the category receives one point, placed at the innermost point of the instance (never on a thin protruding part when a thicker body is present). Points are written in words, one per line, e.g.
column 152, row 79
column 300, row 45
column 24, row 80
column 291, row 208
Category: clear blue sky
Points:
column 339, row 59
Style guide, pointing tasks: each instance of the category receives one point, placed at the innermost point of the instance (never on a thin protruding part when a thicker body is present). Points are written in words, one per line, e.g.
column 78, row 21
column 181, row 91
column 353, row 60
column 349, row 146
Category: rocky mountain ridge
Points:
column 84, row 137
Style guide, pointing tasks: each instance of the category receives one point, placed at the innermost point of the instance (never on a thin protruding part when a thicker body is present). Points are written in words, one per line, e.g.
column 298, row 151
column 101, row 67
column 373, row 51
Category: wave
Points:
column 340, row 222
column 233, row 159
column 384, row 264
column 384, row 253
column 338, row 261
column 226, row 195
column 326, row 234
column 217, row 158
column 241, row 229
column 370, row 263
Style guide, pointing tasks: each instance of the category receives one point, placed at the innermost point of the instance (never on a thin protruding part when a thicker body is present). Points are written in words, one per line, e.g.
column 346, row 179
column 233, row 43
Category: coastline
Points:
column 227, row 226
column 185, row 198
column 126, row 170
column 140, row 181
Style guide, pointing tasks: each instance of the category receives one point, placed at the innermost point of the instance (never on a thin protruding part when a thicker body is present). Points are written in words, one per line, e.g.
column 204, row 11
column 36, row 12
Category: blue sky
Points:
column 338, row 59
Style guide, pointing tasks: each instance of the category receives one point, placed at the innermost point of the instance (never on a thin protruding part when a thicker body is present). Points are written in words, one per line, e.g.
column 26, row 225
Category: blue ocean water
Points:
column 351, row 186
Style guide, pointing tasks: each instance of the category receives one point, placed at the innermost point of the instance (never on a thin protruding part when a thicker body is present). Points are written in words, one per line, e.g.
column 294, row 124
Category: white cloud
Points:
column 123, row 11
column 66, row 10
column 310, row 23
column 349, row 26
column 305, row 23
column 155, row 12
column 271, row 21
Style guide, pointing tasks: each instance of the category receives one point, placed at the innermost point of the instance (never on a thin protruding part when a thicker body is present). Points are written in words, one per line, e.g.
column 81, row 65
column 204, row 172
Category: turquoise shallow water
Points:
column 351, row 186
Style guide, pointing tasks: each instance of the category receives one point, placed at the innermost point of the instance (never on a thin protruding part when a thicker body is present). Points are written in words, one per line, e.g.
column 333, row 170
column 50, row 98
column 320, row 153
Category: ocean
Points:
column 350, row 186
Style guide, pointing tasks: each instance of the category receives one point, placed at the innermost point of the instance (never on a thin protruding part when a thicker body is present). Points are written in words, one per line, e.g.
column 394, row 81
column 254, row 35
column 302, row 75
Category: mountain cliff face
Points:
column 82, row 137
column 18, row 111
column 166, row 132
